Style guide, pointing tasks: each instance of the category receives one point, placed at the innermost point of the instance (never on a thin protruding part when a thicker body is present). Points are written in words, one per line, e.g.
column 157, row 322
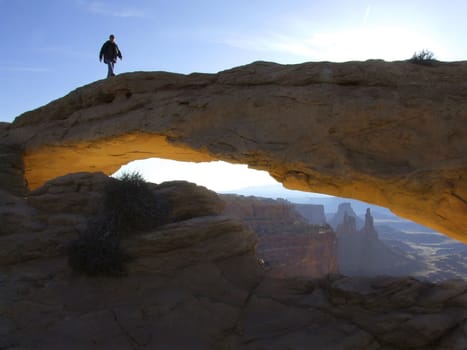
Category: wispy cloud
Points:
column 24, row 69
column 109, row 9
column 272, row 42
column 65, row 51
column 342, row 45
column 367, row 14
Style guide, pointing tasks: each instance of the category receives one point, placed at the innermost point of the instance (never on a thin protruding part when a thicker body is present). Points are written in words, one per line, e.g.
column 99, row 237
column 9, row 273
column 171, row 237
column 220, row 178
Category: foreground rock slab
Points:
column 224, row 304
column 195, row 283
column 392, row 134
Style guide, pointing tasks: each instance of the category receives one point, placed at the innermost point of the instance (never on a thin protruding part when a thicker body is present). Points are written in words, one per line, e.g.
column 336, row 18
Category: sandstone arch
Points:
column 393, row 134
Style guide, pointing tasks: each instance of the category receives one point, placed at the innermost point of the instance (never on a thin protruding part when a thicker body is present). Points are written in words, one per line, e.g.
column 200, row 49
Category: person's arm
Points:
column 101, row 53
column 119, row 53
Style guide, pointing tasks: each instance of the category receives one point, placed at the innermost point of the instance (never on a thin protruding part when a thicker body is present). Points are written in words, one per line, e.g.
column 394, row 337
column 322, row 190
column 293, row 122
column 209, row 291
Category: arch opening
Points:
column 218, row 176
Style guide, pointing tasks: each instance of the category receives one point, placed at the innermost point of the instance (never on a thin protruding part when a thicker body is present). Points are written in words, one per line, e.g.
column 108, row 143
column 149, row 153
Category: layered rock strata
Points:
column 266, row 215
column 392, row 134
column 314, row 213
column 288, row 244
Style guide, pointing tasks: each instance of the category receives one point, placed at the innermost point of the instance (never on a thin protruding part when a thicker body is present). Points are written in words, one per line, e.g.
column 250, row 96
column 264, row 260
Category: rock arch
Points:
column 393, row 134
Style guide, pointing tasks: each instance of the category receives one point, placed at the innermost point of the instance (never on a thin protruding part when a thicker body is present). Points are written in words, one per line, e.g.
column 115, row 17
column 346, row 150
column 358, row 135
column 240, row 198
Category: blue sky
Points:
column 50, row 47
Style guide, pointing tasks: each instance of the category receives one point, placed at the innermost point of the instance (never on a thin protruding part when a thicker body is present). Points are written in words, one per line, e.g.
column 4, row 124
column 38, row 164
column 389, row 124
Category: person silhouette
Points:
column 110, row 52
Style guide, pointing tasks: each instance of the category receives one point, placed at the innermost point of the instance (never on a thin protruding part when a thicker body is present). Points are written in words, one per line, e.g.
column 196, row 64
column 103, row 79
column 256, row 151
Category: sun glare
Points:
column 388, row 43
column 360, row 43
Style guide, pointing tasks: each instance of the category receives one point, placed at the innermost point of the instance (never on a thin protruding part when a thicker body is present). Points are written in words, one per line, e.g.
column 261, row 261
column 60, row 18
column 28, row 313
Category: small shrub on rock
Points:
column 132, row 206
column 97, row 251
column 129, row 206
column 425, row 57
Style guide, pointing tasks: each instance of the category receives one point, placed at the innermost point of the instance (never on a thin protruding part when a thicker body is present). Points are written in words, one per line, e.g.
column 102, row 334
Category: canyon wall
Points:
column 288, row 244
column 314, row 213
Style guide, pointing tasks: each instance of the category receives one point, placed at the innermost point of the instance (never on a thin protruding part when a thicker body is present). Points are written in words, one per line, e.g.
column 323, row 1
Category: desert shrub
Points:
column 129, row 206
column 423, row 57
column 97, row 251
column 132, row 206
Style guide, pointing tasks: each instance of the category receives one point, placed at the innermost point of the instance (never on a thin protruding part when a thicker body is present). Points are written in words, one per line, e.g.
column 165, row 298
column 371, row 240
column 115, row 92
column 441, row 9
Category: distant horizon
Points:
column 275, row 188
column 278, row 192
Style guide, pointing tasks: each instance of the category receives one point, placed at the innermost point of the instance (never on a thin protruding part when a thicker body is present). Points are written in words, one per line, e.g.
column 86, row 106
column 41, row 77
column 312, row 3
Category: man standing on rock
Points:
column 110, row 52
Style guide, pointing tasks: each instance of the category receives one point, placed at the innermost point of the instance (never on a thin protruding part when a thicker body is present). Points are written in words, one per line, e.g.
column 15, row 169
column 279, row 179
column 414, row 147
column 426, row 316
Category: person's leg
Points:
column 110, row 72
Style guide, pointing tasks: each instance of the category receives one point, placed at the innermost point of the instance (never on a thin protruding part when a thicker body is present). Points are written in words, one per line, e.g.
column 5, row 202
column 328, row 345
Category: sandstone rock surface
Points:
column 343, row 210
column 266, row 215
column 299, row 255
column 392, row 134
column 197, row 284
column 41, row 224
column 12, row 169
column 287, row 243
column 314, row 213
column 224, row 304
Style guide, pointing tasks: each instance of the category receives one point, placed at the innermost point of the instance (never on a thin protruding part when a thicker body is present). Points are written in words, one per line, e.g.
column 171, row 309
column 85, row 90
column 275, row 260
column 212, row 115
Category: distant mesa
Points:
column 291, row 244
column 362, row 253
column 345, row 210
column 314, row 213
